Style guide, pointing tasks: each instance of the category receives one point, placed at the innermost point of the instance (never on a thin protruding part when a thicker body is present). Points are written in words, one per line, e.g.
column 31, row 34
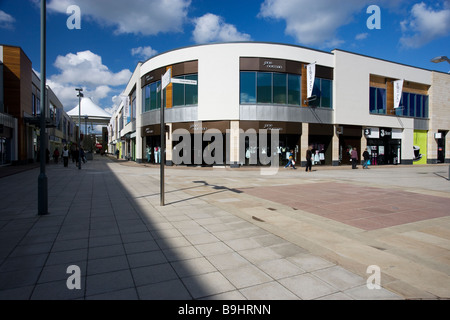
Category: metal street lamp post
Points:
column 80, row 95
column 440, row 59
column 42, row 179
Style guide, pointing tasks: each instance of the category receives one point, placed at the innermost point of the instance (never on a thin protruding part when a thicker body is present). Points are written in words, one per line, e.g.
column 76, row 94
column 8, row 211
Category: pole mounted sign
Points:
column 166, row 79
column 184, row 81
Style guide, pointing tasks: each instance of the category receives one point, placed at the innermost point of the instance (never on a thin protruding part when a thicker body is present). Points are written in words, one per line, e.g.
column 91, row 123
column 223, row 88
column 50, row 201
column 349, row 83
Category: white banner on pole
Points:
column 398, row 87
column 166, row 78
column 310, row 76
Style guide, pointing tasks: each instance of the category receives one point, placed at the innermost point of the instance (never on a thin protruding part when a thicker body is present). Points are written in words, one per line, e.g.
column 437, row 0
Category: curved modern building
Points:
column 228, row 98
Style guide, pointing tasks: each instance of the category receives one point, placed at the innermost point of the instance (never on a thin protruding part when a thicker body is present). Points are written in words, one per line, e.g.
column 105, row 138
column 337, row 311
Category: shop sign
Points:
column 385, row 133
column 438, row 135
column 367, row 132
column 197, row 127
column 269, row 126
column 272, row 64
column 340, row 130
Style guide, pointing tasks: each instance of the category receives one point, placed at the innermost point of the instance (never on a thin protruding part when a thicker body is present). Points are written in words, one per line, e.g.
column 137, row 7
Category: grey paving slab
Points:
column 192, row 267
column 167, row 290
column 363, row 293
column 207, row 284
column 109, row 264
column 125, row 294
column 154, row 274
column 308, row 287
column 246, row 276
column 339, row 278
column 199, row 246
column 280, row 268
column 268, row 291
column 108, row 282
column 56, row 290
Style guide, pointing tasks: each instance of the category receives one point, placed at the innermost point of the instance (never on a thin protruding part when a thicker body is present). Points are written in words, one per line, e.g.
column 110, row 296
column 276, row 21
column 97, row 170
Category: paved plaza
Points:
column 226, row 234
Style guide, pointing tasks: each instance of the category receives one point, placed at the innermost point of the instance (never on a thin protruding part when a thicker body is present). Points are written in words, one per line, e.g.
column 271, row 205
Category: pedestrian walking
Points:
column 366, row 156
column 309, row 159
column 82, row 155
column 65, row 155
column 76, row 155
column 291, row 160
column 56, row 155
column 354, row 157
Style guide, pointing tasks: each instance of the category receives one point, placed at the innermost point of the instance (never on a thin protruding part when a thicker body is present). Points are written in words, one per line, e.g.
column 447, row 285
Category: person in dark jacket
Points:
column 366, row 156
column 309, row 159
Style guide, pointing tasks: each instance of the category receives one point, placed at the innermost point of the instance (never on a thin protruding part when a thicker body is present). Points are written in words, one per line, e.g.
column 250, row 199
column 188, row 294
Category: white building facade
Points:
column 229, row 91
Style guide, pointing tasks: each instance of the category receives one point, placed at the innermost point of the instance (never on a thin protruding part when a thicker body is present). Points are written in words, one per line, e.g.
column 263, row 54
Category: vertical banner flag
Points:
column 398, row 87
column 128, row 109
column 310, row 76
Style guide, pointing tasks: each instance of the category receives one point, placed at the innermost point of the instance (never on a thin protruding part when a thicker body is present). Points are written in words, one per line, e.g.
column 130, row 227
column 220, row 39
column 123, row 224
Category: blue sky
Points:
column 116, row 34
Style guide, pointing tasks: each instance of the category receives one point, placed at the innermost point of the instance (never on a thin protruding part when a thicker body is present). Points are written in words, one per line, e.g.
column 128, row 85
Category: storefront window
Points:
column 294, row 89
column 264, row 87
column 182, row 94
column 191, row 91
column 248, row 87
column 377, row 100
column 413, row 105
column 279, row 88
column 323, row 92
column 178, row 94
column 267, row 87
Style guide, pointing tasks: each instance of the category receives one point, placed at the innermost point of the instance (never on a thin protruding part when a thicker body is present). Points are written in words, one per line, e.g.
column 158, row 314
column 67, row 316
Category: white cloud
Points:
column 212, row 28
column 143, row 52
column 361, row 36
column 425, row 25
column 84, row 69
column 313, row 22
column 6, row 20
column 146, row 17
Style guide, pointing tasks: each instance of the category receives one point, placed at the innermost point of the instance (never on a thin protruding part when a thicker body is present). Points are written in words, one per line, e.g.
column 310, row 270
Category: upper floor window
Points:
column 413, row 105
column 377, row 99
column 323, row 91
column 269, row 88
column 182, row 94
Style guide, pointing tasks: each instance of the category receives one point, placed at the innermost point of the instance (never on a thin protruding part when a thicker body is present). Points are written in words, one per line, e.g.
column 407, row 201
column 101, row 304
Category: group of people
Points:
column 75, row 153
column 309, row 159
column 354, row 158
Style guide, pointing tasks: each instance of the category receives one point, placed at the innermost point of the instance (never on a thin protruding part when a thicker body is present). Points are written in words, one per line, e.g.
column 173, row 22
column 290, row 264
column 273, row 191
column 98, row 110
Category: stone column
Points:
column 335, row 146
column 304, row 143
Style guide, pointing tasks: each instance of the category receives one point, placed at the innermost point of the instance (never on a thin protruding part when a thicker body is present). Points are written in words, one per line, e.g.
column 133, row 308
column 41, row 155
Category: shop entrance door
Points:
column 346, row 144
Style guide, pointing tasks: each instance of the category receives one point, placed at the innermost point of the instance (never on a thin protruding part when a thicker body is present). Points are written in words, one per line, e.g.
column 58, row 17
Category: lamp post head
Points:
column 440, row 59
column 80, row 94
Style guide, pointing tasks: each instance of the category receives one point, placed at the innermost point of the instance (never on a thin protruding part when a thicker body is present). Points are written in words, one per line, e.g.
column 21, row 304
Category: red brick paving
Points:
column 367, row 208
